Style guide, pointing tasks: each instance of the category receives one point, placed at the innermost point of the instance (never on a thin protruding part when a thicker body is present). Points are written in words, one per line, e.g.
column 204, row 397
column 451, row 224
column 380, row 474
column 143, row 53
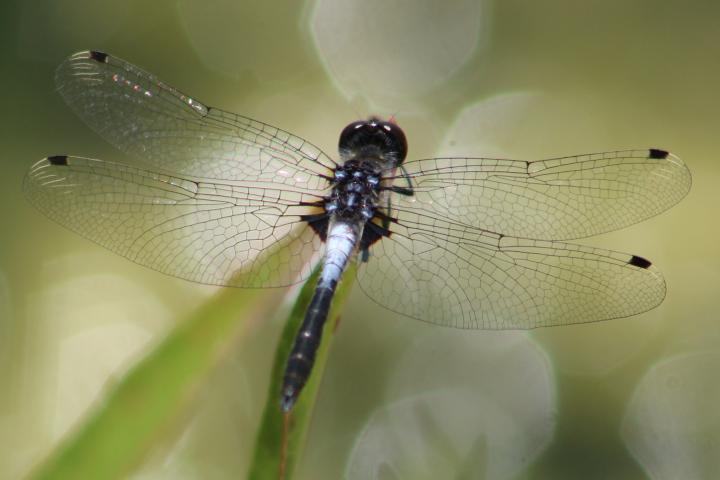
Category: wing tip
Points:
column 658, row 154
column 58, row 160
column 98, row 56
column 640, row 262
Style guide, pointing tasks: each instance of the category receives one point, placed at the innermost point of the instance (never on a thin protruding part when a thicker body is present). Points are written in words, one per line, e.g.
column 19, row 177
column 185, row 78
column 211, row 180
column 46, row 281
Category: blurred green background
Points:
column 626, row 399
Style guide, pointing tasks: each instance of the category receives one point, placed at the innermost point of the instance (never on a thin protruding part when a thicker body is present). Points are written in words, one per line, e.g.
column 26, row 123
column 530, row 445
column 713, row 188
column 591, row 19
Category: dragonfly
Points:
column 464, row 242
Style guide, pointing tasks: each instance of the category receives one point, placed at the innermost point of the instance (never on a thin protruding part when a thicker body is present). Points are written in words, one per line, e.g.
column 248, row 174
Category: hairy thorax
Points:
column 355, row 191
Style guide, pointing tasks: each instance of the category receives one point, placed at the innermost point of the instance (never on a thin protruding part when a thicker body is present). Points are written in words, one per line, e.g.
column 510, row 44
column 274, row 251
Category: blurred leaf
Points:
column 116, row 436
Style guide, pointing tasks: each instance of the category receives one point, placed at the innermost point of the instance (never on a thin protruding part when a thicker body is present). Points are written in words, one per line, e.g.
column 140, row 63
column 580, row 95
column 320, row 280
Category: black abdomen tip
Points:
column 58, row 160
column 658, row 154
column 639, row 262
column 98, row 56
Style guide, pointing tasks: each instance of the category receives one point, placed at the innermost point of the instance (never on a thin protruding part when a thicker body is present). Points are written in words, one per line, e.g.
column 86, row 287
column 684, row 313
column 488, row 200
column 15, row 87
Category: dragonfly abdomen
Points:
column 307, row 341
column 342, row 240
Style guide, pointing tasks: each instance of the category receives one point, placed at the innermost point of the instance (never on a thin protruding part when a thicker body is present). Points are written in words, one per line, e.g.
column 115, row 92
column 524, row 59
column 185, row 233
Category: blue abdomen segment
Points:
column 342, row 242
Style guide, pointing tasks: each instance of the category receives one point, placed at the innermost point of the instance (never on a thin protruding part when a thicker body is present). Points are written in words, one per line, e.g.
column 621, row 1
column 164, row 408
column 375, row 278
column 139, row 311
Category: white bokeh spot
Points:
column 391, row 52
column 481, row 405
column 672, row 423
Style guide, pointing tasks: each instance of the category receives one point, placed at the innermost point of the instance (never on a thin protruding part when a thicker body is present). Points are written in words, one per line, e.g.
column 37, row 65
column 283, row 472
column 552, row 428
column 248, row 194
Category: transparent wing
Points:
column 556, row 199
column 455, row 275
column 213, row 232
column 145, row 117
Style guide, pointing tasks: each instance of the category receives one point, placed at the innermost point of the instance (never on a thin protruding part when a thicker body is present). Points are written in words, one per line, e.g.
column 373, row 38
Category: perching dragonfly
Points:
column 461, row 242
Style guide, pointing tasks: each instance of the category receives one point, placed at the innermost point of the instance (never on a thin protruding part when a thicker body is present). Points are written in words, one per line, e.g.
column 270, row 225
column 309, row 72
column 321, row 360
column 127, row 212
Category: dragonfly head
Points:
column 374, row 137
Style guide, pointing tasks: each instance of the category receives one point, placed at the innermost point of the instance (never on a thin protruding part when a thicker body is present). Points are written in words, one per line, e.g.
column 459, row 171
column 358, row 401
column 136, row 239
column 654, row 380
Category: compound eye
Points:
column 396, row 141
column 350, row 133
column 384, row 135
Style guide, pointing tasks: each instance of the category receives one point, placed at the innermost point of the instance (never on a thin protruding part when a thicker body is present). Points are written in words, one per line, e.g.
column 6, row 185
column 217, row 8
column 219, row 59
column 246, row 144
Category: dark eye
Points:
column 396, row 140
column 350, row 134
column 374, row 133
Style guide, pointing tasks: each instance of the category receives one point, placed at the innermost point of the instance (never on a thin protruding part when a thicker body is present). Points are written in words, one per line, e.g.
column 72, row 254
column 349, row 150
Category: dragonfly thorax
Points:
column 355, row 191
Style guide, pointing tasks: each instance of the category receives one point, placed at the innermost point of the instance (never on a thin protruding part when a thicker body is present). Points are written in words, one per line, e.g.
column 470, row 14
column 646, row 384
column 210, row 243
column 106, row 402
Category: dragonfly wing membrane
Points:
column 145, row 117
column 460, row 276
column 556, row 199
column 218, row 233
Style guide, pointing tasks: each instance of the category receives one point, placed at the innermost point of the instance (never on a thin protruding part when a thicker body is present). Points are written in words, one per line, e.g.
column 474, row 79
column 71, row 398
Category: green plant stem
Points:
column 115, row 437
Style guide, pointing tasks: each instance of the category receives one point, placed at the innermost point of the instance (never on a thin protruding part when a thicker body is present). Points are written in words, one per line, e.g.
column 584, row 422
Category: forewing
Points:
column 459, row 276
column 556, row 199
column 207, row 231
column 145, row 117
